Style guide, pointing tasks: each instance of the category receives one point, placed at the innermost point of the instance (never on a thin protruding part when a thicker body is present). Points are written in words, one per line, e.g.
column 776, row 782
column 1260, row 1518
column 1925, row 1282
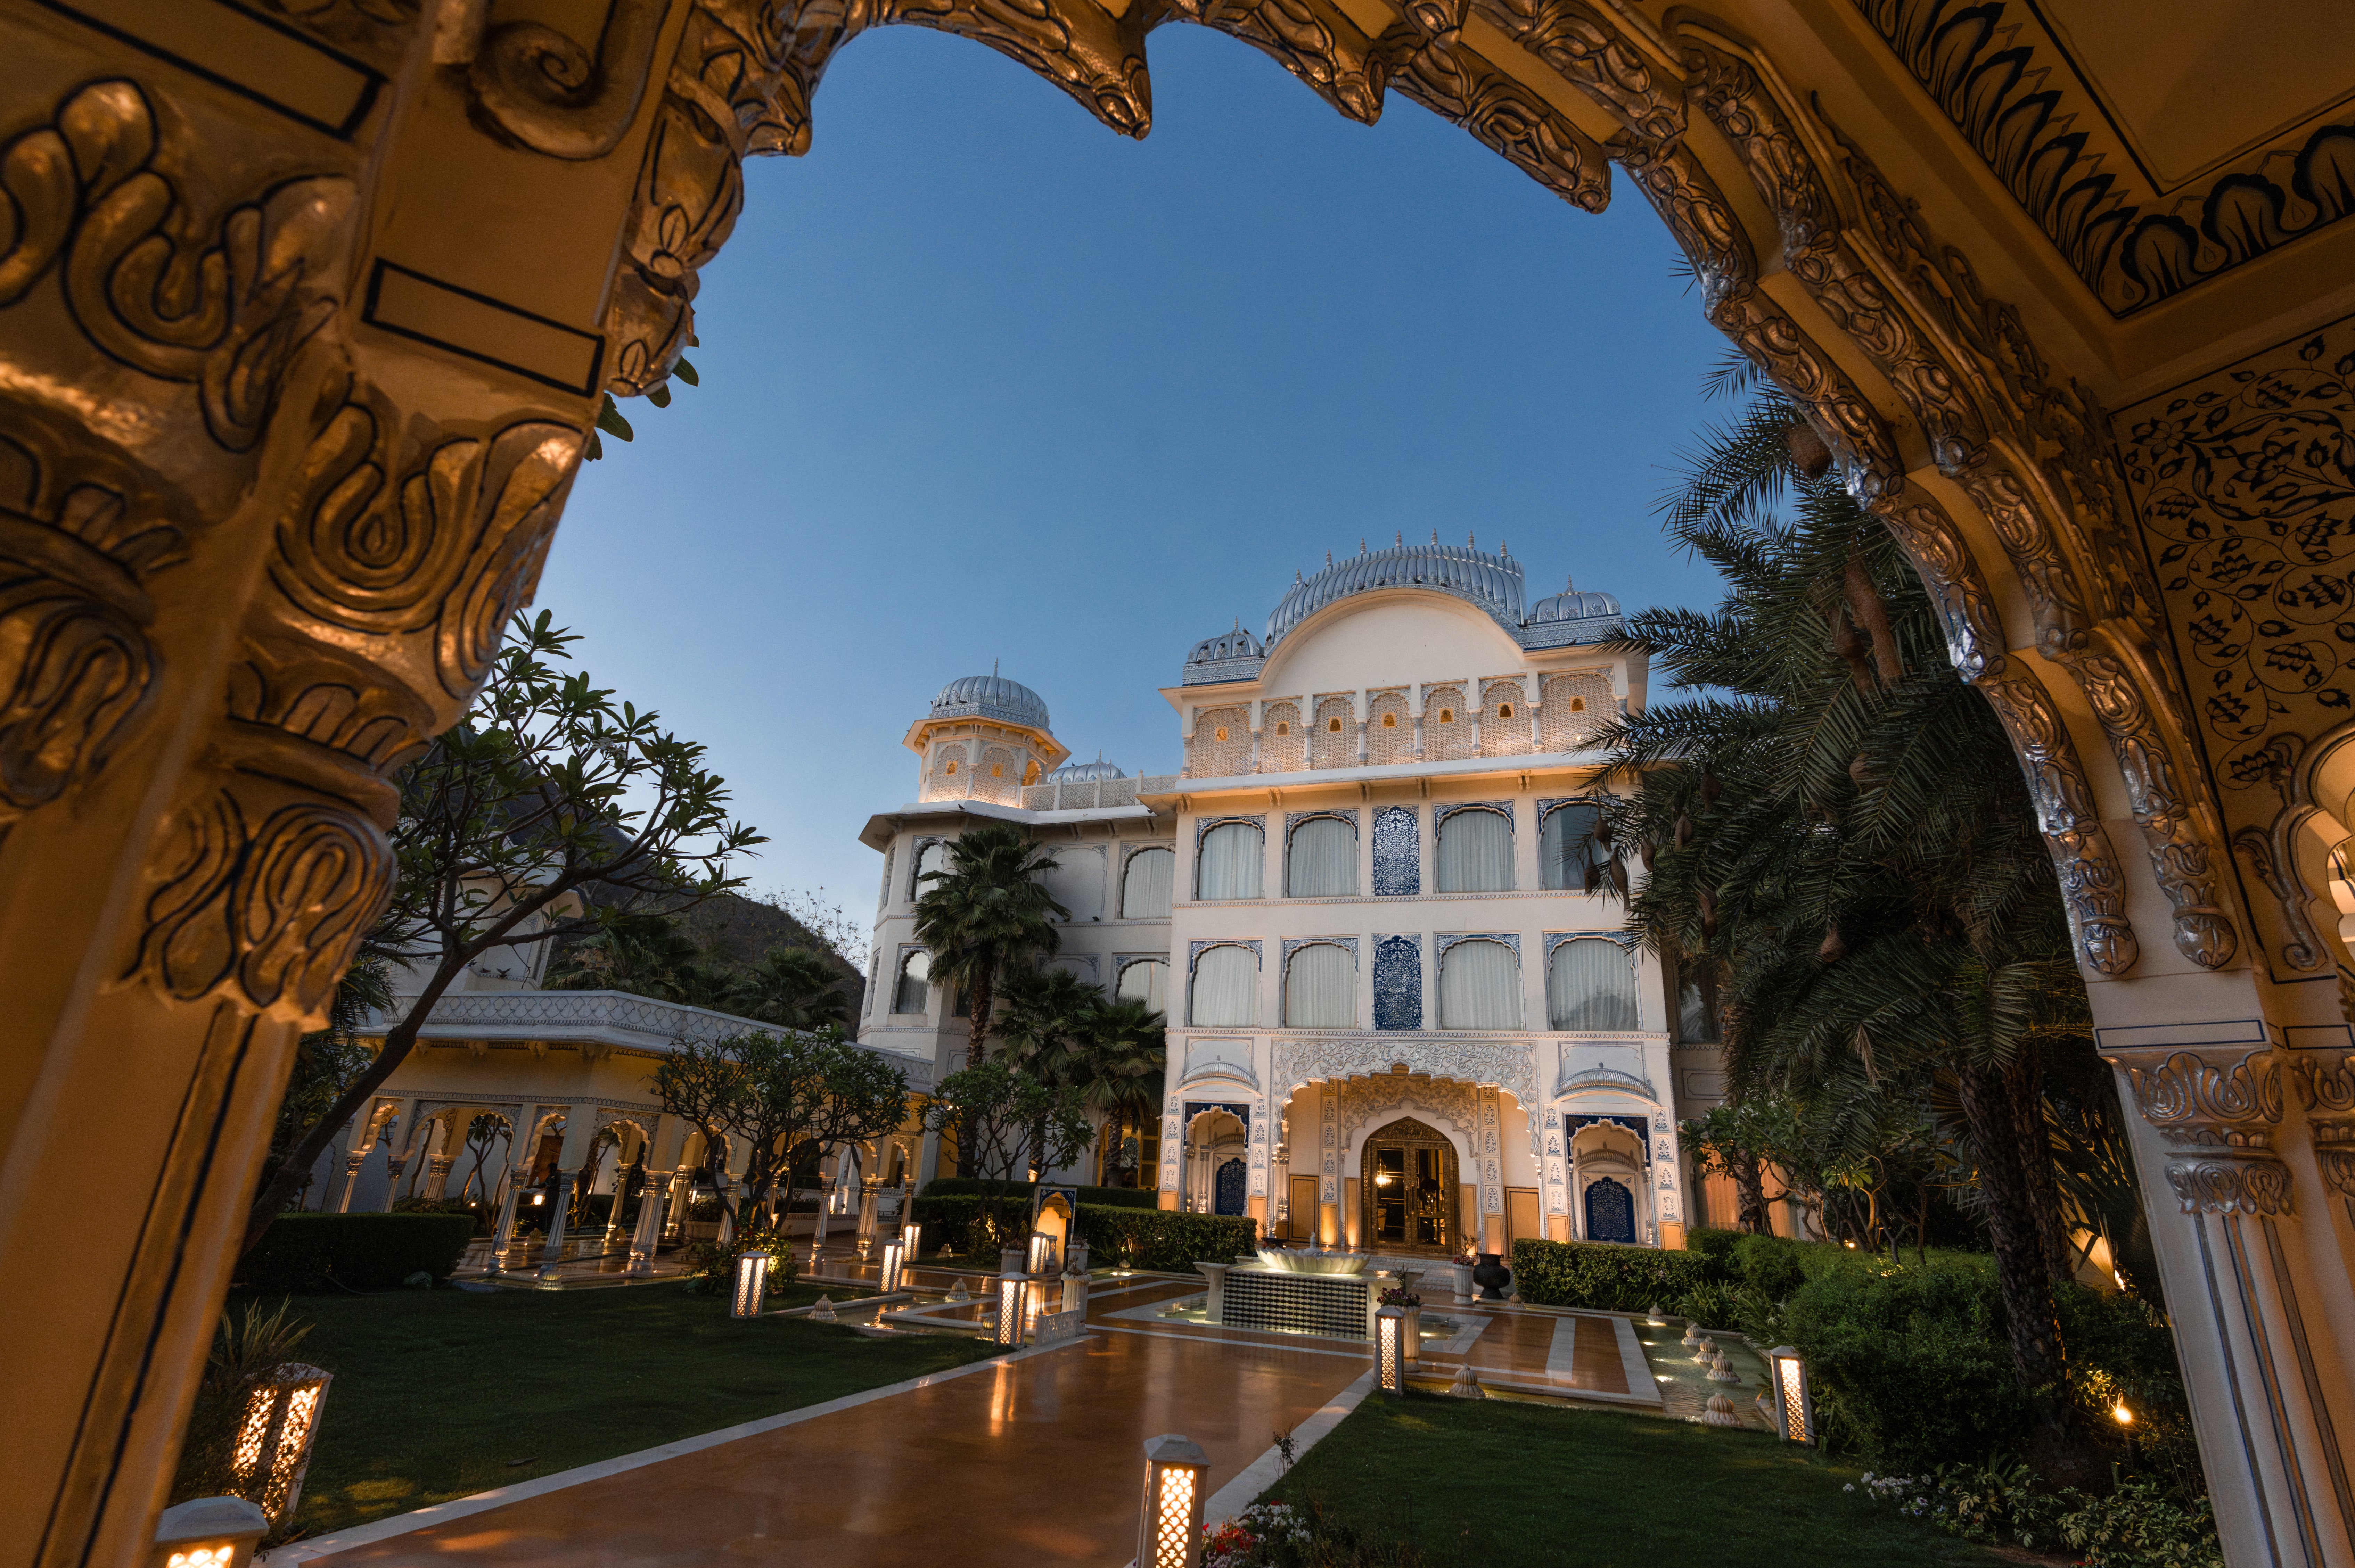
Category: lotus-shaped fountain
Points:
column 1312, row 1260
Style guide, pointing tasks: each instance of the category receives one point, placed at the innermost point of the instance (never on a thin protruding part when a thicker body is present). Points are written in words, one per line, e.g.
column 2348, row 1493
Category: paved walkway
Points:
column 1021, row 1461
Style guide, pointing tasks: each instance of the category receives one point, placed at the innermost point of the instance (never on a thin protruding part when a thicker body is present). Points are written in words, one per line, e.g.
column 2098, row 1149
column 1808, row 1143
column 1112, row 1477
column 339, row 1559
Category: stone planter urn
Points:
column 1411, row 1344
column 1491, row 1275
column 1462, row 1273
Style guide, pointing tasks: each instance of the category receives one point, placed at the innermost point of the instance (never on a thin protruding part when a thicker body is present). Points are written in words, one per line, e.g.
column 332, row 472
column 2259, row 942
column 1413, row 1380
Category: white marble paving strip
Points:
column 1565, row 1339
column 1631, row 1362
column 1210, row 1336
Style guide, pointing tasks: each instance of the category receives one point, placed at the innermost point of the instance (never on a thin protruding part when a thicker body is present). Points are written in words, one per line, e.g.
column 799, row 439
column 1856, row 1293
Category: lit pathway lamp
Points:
column 273, row 1440
column 1042, row 1254
column 1389, row 1349
column 1011, row 1288
column 752, row 1282
column 909, row 1236
column 208, row 1532
column 1795, row 1411
column 890, row 1280
column 1169, row 1529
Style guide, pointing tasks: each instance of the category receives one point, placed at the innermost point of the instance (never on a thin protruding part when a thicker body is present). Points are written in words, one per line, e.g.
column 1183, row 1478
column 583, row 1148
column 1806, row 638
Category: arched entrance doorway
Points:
column 1409, row 1175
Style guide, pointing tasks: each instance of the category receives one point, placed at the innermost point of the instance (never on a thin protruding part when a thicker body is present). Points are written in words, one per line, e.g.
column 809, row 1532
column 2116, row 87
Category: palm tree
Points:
column 1124, row 1060
column 1835, row 828
column 1065, row 1033
column 791, row 987
column 986, row 913
column 645, row 955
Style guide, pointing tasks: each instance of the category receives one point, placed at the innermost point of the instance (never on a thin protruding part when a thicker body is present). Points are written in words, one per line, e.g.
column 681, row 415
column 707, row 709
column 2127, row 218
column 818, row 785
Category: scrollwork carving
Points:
column 2321, row 1087
column 1456, row 82
column 2219, row 1101
column 2091, row 881
column 2254, row 1187
column 2303, row 951
column 540, row 89
column 1316, row 41
column 1643, row 91
column 2334, row 1154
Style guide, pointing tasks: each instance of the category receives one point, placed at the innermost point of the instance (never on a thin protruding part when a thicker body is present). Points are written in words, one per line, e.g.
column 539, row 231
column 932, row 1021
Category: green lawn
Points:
column 442, row 1393
column 1507, row 1484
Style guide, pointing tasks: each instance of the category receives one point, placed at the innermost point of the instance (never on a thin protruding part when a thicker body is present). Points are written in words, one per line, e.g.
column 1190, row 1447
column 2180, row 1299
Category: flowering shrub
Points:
column 1254, row 1537
column 2139, row 1525
column 1395, row 1297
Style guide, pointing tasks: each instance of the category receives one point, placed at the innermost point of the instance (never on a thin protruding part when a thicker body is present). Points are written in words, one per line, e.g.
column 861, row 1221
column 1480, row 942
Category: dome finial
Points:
column 1471, row 539
column 1434, row 536
column 1328, row 558
column 1362, row 544
column 993, row 667
column 1401, row 536
column 1504, row 550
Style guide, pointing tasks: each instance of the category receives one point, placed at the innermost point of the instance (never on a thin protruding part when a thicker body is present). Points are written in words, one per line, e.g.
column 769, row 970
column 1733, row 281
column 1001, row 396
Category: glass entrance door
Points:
column 1410, row 1188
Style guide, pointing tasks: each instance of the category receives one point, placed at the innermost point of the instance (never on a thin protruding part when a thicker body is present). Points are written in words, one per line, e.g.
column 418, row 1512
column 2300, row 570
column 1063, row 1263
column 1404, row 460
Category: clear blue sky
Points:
column 981, row 381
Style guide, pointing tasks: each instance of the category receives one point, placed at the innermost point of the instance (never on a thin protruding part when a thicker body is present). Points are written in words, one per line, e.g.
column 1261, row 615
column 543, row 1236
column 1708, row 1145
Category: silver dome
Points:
column 1084, row 773
column 1571, row 604
column 1491, row 582
column 991, row 697
column 1235, row 644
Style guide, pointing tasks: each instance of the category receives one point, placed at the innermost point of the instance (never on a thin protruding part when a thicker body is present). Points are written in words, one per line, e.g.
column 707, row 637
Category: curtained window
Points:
column 932, row 857
column 1226, row 988
column 1590, row 984
column 916, row 981
column 1324, row 860
column 1145, row 980
column 1229, row 861
column 1145, row 885
column 1565, row 849
column 1696, row 1015
column 1476, row 851
column 1479, row 986
column 1320, row 988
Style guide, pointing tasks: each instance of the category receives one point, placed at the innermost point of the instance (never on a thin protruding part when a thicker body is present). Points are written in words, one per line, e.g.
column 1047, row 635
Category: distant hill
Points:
column 740, row 929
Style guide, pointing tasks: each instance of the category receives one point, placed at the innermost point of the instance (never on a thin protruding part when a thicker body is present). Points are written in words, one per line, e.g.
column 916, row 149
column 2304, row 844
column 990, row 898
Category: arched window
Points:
column 1502, row 735
column 1229, row 864
column 1397, row 984
column 1283, row 745
column 1145, row 980
column 1145, row 885
column 1446, row 727
column 1476, row 851
column 1335, row 742
column 931, row 860
column 911, row 993
column 1590, row 984
column 1324, row 859
column 1320, row 988
column 1389, row 729
column 1576, row 705
column 1226, row 988
column 1566, row 848
column 1479, row 986
column 1221, row 745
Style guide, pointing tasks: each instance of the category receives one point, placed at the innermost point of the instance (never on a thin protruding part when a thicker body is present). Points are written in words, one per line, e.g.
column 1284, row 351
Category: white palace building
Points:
column 1398, row 1019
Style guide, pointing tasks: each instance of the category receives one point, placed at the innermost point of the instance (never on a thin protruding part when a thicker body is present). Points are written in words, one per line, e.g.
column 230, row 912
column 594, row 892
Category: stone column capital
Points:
column 2334, row 1152
column 2209, row 1097
column 2320, row 1085
column 2230, row 1182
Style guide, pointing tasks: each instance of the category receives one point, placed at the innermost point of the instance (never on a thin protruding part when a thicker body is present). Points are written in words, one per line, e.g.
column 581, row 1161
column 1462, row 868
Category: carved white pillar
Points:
column 504, row 1236
column 647, row 1234
column 437, row 1175
column 869, row 1188
column 2261, row 1368
column 559, row 1198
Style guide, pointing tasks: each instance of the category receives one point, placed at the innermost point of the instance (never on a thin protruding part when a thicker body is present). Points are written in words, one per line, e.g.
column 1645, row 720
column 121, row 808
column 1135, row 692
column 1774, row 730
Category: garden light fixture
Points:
column 1389, row 1349
column 273, row 1440
column 1009, row 1310
column 1169, row 1527
column 752, row 1282
column 208, row 1532
column 1795, row 1413
column 890, row 1280
column 907, row 1236
column 1042, row 1252
column 2121, row 1414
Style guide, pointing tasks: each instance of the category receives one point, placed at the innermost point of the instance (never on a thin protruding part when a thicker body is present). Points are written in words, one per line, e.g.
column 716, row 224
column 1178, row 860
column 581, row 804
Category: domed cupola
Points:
column 1570, row 616
column 991, row 697
column 1234, row 655
column 1084, row 772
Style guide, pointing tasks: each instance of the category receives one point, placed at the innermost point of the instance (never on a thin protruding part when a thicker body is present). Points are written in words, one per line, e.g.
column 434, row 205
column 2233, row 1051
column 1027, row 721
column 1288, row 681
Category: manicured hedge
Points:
column 968, row 1186
column 1126, row 1237
column 363, row 1252
column 1614, row 1278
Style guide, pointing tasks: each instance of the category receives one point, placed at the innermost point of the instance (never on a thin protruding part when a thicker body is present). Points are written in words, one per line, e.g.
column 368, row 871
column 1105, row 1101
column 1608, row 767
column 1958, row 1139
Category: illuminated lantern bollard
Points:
column 208, row 1532
column 1011, row 1288
column 1795, row 1411
column 1169, row 1529
column 273, row 1441
column 908, row 1235
column 1389, row 1350
column 1042, row 1254
column 890, row 1280
column 751, row 1284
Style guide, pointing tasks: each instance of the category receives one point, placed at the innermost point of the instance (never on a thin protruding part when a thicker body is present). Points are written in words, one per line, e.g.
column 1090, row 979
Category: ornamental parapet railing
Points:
column 1079, row 795
column 601, row 1017
column 1605, row 1078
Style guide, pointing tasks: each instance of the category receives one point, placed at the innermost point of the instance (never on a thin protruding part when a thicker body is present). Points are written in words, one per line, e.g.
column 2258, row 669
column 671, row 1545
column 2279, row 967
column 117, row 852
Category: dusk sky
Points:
column 983, row 381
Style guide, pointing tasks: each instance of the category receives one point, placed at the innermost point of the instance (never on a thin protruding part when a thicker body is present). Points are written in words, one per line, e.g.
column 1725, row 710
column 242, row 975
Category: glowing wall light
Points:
column 1169, row 1527
column 752, row 1282
column 1389, row 1349
column 890, row 1280
column 273, row 1440
column 208, row 1532
column 1795, row 1413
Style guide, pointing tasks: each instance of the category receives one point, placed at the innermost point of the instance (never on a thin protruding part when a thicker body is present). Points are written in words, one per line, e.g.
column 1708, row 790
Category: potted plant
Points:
column 1408, row 1302
column 1460, row 1266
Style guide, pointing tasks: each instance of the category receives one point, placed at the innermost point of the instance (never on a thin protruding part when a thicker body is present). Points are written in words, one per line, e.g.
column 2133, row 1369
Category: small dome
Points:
column 994, row 697
column 1571, row 604
column 1084, row 773
column 1235, row 644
